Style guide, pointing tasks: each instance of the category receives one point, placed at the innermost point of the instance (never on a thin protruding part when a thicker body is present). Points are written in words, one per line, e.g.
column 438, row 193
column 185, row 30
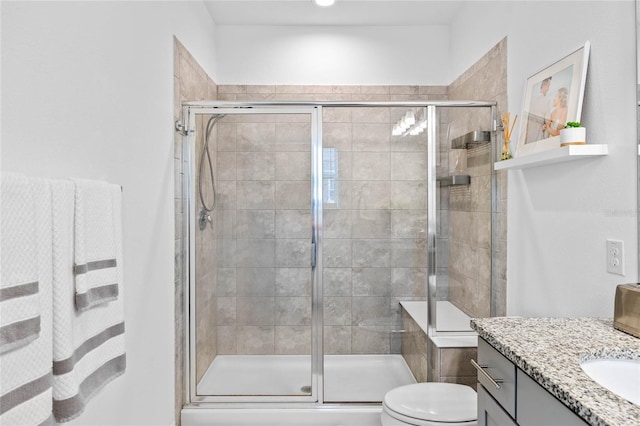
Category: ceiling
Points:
column 344, row 12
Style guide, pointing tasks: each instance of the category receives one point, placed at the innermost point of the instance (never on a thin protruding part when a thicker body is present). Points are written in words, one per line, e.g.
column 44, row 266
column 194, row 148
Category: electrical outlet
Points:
column 615, row 257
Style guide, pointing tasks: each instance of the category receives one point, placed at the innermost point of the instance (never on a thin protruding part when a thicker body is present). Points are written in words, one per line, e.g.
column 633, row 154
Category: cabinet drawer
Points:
column 504, row 374
column 489, row 412
column 537, row 407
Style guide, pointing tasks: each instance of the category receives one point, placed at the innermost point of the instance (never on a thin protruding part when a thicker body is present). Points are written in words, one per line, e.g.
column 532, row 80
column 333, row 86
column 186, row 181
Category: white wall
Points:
column 333, row 55
column 87, row 91
column 559, row 216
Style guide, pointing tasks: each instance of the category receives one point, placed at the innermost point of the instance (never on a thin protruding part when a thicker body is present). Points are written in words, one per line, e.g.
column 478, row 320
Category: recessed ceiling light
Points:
column 324, row 3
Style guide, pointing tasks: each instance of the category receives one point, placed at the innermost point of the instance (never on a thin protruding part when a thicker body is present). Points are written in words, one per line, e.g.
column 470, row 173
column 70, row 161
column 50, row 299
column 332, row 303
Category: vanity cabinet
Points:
column 507, row 396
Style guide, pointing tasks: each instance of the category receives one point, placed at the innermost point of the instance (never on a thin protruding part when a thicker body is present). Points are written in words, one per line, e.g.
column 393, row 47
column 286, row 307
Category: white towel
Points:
column 25, row 373
column 96, row 266
column 19, row 299
column 89, row 346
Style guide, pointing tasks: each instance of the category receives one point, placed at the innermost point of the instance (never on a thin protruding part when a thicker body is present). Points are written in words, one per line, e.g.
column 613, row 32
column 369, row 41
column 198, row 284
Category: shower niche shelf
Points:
column 471, row 139
column 553, row 156
column 455, row 180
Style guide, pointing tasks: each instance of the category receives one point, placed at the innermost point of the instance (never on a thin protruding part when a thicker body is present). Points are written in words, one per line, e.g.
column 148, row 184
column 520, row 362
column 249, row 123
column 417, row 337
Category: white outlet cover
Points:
column 615, row 257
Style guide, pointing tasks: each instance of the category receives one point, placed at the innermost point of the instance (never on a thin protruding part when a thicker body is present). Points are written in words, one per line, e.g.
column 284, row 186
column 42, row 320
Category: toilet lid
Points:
column 438, row 402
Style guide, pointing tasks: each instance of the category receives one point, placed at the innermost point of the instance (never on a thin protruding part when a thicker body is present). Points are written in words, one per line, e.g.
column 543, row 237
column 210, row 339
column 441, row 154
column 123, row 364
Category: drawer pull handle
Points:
column 481, row 369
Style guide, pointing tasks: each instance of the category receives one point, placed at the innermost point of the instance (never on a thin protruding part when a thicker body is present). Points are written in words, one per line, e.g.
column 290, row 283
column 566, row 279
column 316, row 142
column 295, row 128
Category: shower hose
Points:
column 204, row 216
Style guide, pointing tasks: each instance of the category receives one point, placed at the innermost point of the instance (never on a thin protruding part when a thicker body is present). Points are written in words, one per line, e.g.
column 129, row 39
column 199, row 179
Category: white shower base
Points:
column 347, row 378
column 355, row 379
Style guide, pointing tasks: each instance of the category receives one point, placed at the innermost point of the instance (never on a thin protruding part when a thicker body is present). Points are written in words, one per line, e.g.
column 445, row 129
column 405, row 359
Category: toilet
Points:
column 430, row 404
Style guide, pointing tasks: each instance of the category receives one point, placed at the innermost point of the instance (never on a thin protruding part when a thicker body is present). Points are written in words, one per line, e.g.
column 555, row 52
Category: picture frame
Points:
column 553, row 97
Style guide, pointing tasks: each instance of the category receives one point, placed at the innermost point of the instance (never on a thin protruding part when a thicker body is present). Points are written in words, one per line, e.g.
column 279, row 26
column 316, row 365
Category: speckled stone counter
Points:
column 550, row 351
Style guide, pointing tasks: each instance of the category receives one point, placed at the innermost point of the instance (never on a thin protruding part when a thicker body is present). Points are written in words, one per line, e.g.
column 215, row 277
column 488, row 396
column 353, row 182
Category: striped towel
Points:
column 19, row 299
column 89, row 346
column 95, row 268
column 25, row 372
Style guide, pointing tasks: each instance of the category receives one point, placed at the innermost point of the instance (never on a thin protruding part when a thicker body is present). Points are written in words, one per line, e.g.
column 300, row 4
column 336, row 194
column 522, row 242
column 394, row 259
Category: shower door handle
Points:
column 313, row 255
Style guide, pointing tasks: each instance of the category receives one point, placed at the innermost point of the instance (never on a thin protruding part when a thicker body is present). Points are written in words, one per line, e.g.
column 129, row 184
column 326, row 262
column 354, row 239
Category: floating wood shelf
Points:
column 552, row 156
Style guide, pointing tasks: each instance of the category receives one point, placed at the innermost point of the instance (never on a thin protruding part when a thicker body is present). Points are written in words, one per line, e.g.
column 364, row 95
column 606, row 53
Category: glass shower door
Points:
column 253, row 320
column 375, row 246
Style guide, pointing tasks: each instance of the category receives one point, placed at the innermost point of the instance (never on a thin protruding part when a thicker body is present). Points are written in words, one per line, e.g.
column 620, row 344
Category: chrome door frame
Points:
column 190, row 109
column 190, row 154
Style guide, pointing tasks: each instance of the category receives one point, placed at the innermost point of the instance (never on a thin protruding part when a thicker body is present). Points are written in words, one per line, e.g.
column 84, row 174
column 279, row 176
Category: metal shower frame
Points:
column 187, row 127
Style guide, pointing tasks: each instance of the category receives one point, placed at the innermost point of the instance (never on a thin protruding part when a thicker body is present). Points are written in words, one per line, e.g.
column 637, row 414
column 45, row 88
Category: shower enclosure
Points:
column 327, row 216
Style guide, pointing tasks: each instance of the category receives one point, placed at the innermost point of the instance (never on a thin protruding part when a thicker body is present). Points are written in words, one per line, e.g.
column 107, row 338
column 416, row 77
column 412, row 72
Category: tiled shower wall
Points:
column 470, row 210
column 190, row 83
column 263, row 222
column 374, row 248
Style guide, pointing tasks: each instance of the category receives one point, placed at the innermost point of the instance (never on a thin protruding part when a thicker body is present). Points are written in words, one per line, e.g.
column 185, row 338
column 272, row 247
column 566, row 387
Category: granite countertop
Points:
column 550, row 351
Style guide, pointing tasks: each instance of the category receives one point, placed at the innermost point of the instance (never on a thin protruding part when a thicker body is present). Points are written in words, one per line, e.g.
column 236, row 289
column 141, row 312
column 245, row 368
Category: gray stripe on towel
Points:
column 96, row 296
column 66, row 365
column 24, row 393
column 19, row 333
column 21, row 290
column 67, row 409
column 95, row 265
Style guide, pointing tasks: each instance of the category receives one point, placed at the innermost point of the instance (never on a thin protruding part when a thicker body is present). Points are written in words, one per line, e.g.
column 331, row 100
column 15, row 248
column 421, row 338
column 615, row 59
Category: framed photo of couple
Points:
column 553, row 97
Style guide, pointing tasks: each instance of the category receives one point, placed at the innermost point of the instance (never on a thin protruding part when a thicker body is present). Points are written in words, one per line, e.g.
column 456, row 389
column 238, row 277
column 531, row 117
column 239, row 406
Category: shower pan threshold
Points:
column 347, row 378
column 319, row 416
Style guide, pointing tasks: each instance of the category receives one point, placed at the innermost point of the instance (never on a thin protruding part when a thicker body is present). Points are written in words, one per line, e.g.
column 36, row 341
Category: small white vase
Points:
column 573, row 136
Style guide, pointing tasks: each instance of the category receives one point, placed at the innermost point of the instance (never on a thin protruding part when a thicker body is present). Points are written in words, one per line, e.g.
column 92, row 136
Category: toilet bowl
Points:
column 430, row 404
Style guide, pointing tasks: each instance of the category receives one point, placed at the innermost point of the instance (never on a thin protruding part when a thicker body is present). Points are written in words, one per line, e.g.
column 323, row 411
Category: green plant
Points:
column 572, row 124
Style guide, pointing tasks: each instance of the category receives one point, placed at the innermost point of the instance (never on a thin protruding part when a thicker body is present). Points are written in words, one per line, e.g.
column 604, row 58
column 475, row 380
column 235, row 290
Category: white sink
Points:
column 620, row 376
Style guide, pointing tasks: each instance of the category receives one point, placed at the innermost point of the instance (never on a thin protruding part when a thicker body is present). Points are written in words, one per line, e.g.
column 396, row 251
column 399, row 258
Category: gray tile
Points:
column 226, row 166
column 293, row 223
column 293, row 311
column 293, row 166
column 293, row 136
column 371, row 281
column 255, row 310
column 371, row 194
column 337, row 253
column 255, row 253
column 226, row 282
column 256, row 166
column 336, row 282
column 256, row 136
column 256, row 195
column 293, row 282
column 337, row 223
column 409, row 253
column 337, row 135
column 226, row 310
column 408, row 195
column 293, row 252
column 409, row 224
column 371, row 137
column 409, row 166
column 255, row 340
column 255, row 281
column 337, row 340
column 371, row 253
column 255, row 224
column 370, row 340
column 409, row 282
column 293, row 195
column 293, row 340
column 371, row 223
column 227, row 340
column 371, row 311
column 337, row 311
column 371, row 166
